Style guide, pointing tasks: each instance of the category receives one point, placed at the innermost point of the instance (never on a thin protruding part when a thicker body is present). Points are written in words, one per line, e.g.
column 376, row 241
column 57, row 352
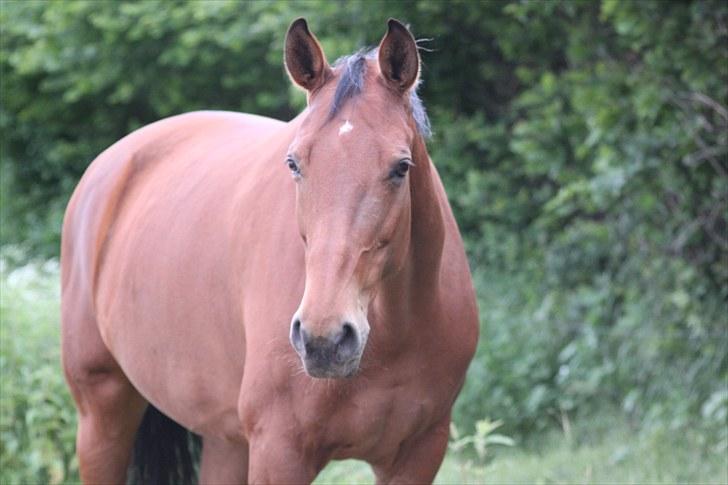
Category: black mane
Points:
column 351, row 83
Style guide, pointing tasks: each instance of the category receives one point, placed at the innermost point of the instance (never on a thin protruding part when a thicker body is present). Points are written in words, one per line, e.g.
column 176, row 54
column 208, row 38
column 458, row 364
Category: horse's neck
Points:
column 428, row 226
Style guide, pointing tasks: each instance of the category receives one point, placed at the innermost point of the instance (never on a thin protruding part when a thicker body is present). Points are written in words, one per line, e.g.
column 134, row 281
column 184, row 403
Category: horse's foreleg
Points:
column 223, row 462
column 419, row 460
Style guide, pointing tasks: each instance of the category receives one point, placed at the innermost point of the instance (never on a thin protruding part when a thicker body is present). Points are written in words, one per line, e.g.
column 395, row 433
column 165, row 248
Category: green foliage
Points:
column 584, row 147
column 610, row 283
column 37, row 417
column 481, row 440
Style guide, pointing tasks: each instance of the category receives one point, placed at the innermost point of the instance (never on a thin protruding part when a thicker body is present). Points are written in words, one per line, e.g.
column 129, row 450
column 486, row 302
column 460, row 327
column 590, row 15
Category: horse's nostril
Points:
column 347, row 340
column 296, row 336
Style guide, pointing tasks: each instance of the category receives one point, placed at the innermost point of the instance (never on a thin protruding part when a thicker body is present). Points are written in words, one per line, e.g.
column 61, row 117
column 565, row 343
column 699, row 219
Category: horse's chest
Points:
column 372, row 425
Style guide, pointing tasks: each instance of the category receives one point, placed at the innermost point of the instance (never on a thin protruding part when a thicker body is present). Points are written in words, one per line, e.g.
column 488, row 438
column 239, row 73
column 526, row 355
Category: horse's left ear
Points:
column 399, row 62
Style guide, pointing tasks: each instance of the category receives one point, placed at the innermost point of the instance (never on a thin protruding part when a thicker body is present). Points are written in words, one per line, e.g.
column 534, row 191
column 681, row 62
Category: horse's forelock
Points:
column 351, row 83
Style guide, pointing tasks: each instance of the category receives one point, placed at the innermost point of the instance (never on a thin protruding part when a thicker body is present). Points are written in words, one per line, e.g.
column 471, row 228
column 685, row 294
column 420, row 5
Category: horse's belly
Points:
column 190, row 368
column 169, row 312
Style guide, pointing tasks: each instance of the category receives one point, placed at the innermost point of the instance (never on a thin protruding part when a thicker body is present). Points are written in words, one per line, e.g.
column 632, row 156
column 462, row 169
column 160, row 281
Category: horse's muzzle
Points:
column 330, row 356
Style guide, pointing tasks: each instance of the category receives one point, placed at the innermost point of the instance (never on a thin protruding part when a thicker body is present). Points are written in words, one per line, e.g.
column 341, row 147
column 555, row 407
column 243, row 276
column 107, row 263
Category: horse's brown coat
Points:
column 183, row 263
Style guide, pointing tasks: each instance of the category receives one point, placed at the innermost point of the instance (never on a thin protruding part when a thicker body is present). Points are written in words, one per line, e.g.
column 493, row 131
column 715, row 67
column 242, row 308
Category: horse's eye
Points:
column 293, row 167
column 400, row 170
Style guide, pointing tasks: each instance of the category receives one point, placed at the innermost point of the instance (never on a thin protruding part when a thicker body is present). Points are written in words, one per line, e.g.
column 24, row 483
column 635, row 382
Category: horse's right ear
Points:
column 305, row 60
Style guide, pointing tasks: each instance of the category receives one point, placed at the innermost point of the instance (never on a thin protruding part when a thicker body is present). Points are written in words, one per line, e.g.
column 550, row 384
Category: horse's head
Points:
column 351, row 159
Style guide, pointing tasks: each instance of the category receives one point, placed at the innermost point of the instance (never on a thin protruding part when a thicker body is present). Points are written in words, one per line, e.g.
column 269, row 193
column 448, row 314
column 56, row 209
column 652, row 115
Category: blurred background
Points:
column 584, row 148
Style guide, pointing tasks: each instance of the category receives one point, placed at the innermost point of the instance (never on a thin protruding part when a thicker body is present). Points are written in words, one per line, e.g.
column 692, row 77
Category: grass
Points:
column 37, row 420
column 607, row 452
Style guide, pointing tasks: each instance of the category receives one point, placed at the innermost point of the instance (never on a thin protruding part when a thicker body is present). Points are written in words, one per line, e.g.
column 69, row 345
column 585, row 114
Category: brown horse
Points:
column 291, row 292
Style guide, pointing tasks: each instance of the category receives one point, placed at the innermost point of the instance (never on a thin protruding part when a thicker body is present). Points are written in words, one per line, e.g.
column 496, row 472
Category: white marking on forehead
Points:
column 345, row 128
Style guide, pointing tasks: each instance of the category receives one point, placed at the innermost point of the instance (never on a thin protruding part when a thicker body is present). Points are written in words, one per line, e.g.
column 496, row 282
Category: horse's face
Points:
column 351, row 167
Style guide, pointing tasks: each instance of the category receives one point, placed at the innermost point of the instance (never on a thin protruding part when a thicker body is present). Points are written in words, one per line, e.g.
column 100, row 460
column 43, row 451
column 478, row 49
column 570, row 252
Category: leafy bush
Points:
column 598, row 229
column 37, row 417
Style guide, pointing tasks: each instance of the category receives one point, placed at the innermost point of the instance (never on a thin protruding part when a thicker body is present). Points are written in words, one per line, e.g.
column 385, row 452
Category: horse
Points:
column 289, row 292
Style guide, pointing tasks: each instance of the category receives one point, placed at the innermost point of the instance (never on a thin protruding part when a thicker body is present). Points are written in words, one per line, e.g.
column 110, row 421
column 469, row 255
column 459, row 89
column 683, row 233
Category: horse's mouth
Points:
column 331, row 370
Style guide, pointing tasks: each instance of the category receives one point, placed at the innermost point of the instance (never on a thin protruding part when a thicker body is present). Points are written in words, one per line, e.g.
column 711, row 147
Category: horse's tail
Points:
column 165, row 453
